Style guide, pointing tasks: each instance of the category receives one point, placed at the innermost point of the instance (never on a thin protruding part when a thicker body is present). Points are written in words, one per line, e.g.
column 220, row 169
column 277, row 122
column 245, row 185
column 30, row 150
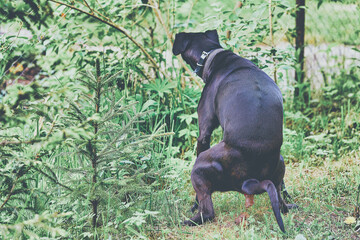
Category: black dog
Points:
column 248, row 105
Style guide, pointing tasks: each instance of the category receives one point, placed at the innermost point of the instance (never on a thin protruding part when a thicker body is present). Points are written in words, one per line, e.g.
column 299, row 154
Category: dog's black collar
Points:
column 200, row 64
column 207, row 66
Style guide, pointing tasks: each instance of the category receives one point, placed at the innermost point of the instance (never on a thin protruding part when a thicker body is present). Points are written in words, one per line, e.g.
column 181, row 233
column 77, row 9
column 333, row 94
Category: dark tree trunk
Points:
column 299, row 47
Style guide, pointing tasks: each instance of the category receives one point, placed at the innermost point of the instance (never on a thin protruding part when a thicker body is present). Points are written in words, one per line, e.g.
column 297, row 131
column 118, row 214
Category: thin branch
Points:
column 238, row 4
column 191, row 8
column 55, row 180
column 10, row 44
column 95, row 11
column 270, row 24
column 3, row 143
column 52, row 126
column 10, row 193
column 112, row 24
column 87, row 5
column 169, row 36
column 37, row 140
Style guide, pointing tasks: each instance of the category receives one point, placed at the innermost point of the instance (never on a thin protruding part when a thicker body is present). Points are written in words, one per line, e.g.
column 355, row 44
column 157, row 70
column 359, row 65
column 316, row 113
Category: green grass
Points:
column 326, row 195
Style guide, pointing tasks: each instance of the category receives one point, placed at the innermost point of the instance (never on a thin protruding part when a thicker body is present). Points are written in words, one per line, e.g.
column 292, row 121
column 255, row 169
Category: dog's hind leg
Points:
column 206, row 177
column 283, row 206
column 196, row 205
column 286, row 195
column 203, row 194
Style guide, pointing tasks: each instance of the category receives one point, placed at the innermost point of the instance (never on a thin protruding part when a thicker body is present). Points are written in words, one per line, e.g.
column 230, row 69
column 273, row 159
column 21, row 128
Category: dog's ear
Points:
column 180, row 43
column 213, row 35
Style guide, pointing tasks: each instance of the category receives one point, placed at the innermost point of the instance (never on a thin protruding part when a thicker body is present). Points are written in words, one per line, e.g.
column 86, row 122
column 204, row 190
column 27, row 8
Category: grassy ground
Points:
column 326, row 195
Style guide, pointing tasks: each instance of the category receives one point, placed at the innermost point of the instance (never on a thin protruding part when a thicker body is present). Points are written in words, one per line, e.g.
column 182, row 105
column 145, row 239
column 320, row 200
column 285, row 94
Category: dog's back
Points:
column 248, row 104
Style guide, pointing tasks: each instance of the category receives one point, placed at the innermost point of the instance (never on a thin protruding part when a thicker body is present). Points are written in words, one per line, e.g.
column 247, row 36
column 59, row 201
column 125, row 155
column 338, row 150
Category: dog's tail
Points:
column 253, row 186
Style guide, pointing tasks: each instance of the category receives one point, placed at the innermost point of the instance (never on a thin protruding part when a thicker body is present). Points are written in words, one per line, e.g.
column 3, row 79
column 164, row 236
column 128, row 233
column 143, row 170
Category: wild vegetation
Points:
column 98, row 120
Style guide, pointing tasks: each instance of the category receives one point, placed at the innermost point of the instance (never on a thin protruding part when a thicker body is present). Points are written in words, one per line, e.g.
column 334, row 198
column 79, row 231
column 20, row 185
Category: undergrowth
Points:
column 99, row 125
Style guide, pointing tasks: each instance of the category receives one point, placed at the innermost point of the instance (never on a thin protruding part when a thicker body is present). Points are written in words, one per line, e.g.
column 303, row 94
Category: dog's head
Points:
column 191, row 45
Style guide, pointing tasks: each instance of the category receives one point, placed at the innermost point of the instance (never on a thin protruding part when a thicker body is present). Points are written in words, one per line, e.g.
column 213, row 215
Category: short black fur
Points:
column 247, row 104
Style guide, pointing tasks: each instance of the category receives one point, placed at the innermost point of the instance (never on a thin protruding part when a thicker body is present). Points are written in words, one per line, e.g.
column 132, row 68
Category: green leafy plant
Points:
column 85, row 155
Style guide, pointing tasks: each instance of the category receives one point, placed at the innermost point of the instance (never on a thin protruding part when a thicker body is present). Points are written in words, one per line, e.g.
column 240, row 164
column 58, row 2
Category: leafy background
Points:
column 99, row 125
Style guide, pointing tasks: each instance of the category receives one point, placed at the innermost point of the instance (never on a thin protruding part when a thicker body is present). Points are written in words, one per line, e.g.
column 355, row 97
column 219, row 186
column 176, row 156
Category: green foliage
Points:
column 109, row 158
column 329, row 128
column 28, row 11
column 86, row 154
column 92, row 150
column 324, row 28
column 25, row 229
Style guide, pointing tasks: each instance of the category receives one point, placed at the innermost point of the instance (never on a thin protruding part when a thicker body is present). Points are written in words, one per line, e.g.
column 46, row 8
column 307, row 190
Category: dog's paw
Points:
column 292, row 206
column 189, row 223
column 198, row 219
